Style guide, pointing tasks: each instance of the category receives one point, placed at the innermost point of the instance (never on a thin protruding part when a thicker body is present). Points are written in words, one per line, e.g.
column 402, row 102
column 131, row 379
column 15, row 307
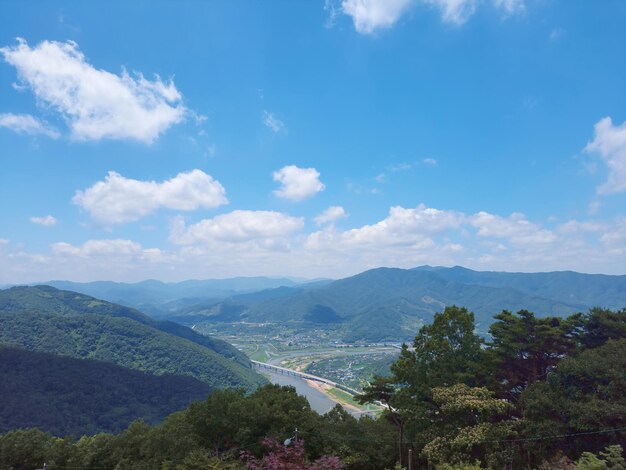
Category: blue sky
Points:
column 177, row 140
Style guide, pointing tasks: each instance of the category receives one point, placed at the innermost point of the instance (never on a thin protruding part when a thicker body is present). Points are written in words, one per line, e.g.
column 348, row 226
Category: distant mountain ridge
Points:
column 390, row 303
column 564, row 286
column 375, row 305
column 153, row 296
column 45, row 319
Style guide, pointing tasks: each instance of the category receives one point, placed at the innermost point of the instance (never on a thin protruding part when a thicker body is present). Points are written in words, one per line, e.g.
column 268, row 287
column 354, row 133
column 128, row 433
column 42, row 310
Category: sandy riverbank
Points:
column 324, row 388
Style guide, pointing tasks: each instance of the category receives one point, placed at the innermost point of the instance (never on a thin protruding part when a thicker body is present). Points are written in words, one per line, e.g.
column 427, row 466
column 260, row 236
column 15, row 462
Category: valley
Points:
column 316, row 351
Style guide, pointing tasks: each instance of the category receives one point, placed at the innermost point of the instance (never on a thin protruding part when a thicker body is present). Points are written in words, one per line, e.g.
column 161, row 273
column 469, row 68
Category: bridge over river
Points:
column 302, row 375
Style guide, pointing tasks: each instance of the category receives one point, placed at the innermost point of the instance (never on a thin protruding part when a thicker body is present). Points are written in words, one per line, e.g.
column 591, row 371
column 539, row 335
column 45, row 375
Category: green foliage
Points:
column 63, row 396
column 463, row 403
column 202, row 460
column 543, row 393
column 25, row 449
column 48, row 320
column 459, row 466
column 586, row 392
column 610, row 459
column 466, row 418
column 601, row 324
column 525, row 348
column 447, row 350
column 211, row 434
column 445, row 353
column 458, row 401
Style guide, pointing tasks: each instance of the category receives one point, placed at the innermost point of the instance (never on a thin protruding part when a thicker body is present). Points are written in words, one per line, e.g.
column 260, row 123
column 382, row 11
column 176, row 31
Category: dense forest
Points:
column 68, row 396
column 547, row 393
column 46, row 319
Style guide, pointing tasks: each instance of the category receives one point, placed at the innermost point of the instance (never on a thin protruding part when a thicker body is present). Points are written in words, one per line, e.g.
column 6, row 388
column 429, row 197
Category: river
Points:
column 319, row 401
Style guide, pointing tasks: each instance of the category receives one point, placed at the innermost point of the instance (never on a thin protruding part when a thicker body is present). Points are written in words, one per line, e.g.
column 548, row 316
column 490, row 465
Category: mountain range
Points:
column 157, row 298
column 379, row 304
column 390, row 303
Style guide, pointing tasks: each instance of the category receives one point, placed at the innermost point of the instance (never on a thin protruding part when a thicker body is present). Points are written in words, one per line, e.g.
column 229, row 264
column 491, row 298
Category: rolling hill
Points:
column 46, row 319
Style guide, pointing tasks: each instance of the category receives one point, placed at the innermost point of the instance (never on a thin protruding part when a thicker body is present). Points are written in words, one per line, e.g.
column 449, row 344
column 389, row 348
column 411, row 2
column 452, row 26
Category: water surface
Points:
column 319, row 401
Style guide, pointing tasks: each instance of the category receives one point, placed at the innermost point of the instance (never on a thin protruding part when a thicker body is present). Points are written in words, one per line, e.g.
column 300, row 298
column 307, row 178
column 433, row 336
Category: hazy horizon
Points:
column 296, row 280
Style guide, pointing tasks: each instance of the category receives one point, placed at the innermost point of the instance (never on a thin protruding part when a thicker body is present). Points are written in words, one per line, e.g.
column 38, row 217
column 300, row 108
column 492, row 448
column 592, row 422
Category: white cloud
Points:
column 407, row 237
column 120, row 259
column 27, row 124
column 96, row 104
column 401, row 167
column 297, row 183
column 429, row 161
column 272, row 122
column 330, row 7
column 615, row 235
column 236, row 227
column 47, row 221
column 556, row 33
column 404, row 237
column 510, row 7
column 610, row 144
column 594, row 207
column 454, row 11
column 574, row 226
column 371, row 15
column 405, row 226
column 118, row 199
column 98, row 248
column 330, row 215
column 273, row 243
column 516, row 228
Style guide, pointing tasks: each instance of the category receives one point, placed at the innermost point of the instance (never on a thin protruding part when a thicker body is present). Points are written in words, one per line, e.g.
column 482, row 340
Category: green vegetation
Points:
column 211, row 435
column 387, row 305
column 66, row 396
column 352, row 369
column 49, row 320
column 348, row 399
column 540, row 391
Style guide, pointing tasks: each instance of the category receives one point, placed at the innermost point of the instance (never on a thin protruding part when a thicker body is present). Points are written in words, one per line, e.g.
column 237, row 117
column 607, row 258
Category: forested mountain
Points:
column 46, row 319
column 157, row 298
column 380, row 304
column 570, row 287
column 63, row 395
column 389, row 304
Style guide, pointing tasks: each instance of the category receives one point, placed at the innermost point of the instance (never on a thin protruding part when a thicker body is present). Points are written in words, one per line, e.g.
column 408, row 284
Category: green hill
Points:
column 62, row 395
column 46, row 319
column 390, row 304
column 563, row 286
